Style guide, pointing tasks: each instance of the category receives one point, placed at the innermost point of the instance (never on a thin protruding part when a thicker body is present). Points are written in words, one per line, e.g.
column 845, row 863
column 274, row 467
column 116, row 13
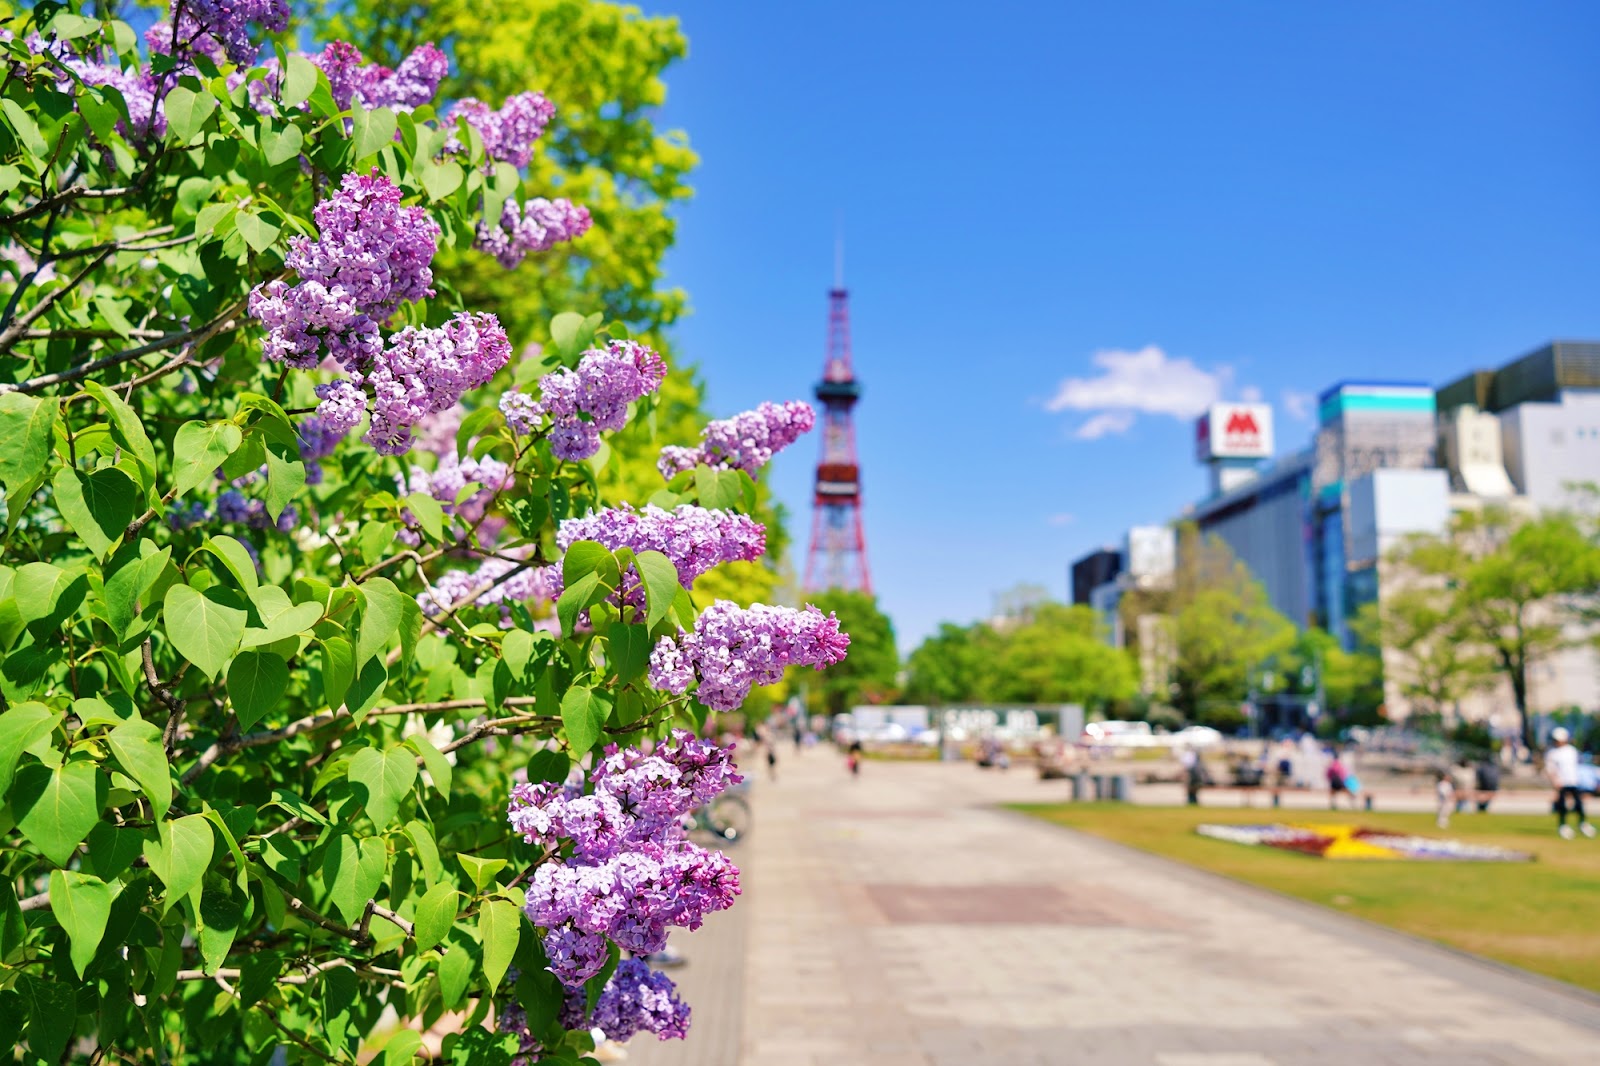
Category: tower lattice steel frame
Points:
column 838, row 556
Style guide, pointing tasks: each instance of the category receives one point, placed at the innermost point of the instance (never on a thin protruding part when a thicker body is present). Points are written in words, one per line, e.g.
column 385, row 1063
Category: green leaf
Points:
column 137, row 744
column 387, row 777
column 551, row 764
column 438, row 766
column 258, row 973
column 98, row 506
column 455, row 972
column 661, row 586
column 56, row 808
column 587, row 557
column 353, row 872
column 499, row 926
column 187, row 111
column 291, row 621
column 367, row 688
column 380, row 619
column 517, row 649
column 52, row 1013
column 256, row 230
column 338, row 670
column 257, row 680
column 112, row 850
column 428, row 513
column 299, row 78
column 481, row 871
column 237, row 559
column 629, row 650
column 205, row 627
column 199, row 449
column 81, row 904
column 565, row 330
column 427, row 851
column 439, row 180
column 26, row 129
column 286, row 479
column 220, row 918
column 182, row 855
column 717, row 488
column 126, row 428
column 21, row 725
column 281, row 145
column 27, row 433
column 583, row 713
column 370, row 131
column 436, row 913
column 578, row 597
column 402, row 1048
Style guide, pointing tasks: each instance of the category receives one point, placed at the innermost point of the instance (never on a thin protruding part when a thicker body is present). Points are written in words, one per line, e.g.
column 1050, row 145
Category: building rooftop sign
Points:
column 1234, row 431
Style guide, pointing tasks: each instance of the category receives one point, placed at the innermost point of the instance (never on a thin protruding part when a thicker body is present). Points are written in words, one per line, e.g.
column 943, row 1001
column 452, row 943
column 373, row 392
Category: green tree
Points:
column 869, row 674
column 1432, row 659
column 1513, row 588
column 957, row 664
column 1059, row 656
column 1224, row 630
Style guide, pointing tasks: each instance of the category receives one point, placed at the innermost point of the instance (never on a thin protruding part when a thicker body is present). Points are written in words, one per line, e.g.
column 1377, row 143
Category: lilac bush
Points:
column 312, row 577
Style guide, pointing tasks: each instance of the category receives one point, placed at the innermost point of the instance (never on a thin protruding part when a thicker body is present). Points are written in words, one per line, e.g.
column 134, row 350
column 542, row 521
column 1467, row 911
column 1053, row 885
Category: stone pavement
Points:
column 901, row 920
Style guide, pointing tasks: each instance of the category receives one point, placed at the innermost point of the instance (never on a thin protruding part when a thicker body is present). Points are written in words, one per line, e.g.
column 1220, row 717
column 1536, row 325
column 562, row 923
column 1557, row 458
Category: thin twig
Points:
column 65, row 196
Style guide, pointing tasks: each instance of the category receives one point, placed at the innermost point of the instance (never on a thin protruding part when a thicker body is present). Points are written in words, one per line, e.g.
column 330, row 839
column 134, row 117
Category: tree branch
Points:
column 13, row 332
column 62, row 198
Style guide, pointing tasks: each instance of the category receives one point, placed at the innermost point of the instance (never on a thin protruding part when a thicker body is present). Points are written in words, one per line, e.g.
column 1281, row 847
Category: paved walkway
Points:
column 901, row 920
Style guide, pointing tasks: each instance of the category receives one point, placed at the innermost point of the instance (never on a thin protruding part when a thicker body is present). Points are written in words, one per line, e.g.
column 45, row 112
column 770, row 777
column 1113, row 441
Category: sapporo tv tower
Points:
column 838, row 556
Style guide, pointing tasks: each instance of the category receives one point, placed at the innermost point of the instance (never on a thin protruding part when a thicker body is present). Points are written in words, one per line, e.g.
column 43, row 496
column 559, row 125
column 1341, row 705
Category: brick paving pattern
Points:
column 901, row 920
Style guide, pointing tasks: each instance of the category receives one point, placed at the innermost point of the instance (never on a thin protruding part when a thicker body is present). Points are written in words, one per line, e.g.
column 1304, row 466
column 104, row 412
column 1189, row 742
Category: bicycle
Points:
column 726, row 818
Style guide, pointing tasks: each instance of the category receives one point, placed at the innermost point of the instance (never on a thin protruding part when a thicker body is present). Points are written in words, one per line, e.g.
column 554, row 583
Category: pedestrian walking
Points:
column 1486, row 782
column 853, row 759
column 772, row 761
column 1561, row 767
column 1465, row 780
column 1193, row 774
column 1444, row 791
column 1338, row 782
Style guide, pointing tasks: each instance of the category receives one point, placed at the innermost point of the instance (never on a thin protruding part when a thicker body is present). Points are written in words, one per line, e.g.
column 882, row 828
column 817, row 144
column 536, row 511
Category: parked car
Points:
column 1119, row 734
column 1197, row 736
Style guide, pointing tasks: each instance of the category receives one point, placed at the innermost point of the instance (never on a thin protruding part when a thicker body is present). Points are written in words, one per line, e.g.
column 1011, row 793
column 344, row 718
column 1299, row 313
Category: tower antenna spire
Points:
column 838, row 556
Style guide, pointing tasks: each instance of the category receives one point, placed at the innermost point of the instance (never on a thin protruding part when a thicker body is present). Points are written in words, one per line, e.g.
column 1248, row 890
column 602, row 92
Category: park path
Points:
column 903, row 920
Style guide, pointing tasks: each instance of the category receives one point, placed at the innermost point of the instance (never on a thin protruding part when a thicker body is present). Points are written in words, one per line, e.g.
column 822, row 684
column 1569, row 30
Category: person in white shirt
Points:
column 1561, row 767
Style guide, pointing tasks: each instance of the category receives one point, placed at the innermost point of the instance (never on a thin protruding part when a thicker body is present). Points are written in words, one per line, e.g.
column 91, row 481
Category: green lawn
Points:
column 1543, row 916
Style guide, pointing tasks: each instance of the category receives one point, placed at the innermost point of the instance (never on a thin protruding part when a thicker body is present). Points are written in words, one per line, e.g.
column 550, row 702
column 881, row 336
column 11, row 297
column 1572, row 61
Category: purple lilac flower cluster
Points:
column 225, row 22
column 747, row 441
column 234, row 506
column 537, row 226
column 636, row 999
column 694, row 539
column 445, row 482
column 734, row 648
column 601, row 387
column 371, row 256
column 138, row 89
column 631, row 874
column 507, row 133
column 319, row 436
column 423, row 371
column 407, row 87
column 453, row 587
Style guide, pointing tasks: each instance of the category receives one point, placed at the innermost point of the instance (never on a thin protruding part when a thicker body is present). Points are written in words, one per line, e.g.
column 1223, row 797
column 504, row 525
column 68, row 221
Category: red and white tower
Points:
column 838, row 556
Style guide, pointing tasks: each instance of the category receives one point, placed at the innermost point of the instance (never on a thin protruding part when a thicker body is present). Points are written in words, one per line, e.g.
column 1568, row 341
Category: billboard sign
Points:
column 1234, row 431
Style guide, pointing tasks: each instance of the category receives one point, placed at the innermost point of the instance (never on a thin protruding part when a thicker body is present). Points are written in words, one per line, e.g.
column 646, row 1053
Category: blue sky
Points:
column 1068, row 225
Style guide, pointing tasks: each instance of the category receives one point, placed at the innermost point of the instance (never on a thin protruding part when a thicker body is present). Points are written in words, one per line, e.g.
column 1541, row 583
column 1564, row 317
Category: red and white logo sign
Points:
column 1234, row 431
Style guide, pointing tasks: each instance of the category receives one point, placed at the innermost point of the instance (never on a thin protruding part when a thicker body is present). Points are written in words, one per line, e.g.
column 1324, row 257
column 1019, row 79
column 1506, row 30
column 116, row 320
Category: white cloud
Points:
column 1250, row 394
column 1104, row 424
column 1147, row 381
column 1299, row 404
column 1062, row 519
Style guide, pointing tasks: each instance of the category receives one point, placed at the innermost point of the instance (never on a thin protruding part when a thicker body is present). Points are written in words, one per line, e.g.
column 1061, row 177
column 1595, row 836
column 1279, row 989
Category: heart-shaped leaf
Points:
column 256, row 682
column 82, row 904
column 56, row 808
column 205, row 627
column 98, row 505
column 387, row 777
